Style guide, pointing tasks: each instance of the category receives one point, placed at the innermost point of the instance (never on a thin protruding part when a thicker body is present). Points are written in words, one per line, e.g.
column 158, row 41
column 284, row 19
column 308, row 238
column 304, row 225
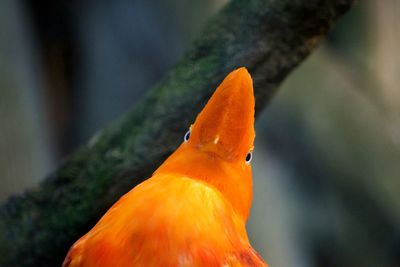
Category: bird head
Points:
column 217, row 148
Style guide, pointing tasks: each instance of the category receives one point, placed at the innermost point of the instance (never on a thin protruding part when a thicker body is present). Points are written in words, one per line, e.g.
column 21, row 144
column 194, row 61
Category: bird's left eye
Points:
column 187, row 136
column 249, row 156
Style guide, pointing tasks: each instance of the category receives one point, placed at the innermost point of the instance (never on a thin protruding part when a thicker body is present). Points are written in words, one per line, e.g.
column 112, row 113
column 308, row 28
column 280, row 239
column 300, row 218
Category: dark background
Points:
column 327, row 157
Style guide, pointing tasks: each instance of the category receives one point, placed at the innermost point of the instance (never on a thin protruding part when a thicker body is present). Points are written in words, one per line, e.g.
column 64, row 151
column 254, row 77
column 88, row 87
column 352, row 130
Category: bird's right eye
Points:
column 249, row 157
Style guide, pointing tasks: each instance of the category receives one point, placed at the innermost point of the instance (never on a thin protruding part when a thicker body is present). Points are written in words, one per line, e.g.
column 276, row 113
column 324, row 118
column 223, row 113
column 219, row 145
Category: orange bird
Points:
column 193, row 210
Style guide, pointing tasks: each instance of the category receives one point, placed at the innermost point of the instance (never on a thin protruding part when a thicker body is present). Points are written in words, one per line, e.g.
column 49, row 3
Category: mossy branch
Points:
column 269, row 37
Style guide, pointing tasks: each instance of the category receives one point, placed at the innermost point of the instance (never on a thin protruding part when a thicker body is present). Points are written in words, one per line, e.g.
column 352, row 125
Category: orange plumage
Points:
column 193, row 210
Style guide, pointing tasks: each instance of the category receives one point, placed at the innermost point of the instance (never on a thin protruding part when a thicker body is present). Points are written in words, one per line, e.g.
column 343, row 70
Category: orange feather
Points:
column 193, row 210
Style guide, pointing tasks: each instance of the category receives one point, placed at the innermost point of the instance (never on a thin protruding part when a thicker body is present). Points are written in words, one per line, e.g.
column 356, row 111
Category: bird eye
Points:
column 249, row 156
column 187, row 136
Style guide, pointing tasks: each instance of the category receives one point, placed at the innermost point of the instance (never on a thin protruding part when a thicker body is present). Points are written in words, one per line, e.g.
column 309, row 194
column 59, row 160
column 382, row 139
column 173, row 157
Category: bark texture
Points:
column 269, row 37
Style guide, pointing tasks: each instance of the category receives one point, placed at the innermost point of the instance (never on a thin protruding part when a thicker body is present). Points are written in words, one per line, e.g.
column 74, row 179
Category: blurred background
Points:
column 327, row 158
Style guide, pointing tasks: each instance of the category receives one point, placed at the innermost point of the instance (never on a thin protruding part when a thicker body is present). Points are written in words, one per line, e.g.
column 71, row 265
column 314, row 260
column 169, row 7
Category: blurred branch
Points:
column 270, row 38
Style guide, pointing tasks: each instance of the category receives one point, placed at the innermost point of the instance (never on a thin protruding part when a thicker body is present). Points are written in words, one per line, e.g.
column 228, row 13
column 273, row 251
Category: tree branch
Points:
column 270, row 38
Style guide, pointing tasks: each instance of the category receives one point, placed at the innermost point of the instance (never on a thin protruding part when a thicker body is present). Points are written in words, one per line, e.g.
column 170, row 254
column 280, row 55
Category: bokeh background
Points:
column 327, row 156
